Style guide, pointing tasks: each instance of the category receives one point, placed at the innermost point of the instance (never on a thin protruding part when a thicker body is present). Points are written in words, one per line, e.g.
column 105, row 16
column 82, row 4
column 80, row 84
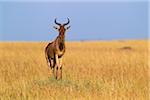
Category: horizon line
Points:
column 82, row 40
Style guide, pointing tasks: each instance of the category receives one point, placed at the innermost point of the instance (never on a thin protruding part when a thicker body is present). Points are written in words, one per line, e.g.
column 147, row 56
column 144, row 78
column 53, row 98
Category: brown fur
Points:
column 55, row 50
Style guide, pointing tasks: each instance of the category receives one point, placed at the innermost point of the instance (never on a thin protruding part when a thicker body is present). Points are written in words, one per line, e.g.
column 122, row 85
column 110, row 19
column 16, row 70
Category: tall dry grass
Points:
column 114, row 70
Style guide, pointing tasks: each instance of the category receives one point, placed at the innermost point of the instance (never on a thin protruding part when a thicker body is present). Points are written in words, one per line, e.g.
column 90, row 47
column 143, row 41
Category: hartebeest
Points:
column 55, row 50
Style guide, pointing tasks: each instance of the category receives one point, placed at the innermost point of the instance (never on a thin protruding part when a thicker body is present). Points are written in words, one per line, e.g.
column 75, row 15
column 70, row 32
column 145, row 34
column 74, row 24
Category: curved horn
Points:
column 57, row 22
column 67, row 22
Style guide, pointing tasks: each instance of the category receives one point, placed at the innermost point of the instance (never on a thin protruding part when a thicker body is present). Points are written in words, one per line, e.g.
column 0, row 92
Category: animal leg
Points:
column 57, row 65
column 50, row 63
column 53, row 67
column 60, row 67
column 47, row 60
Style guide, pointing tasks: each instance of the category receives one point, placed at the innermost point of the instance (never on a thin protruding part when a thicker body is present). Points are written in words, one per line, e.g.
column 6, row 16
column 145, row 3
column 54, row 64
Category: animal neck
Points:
column 61, row 42
column 61, row 37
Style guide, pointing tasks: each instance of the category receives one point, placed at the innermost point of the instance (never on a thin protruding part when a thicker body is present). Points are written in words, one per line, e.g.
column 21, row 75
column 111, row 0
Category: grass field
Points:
column 100, row 70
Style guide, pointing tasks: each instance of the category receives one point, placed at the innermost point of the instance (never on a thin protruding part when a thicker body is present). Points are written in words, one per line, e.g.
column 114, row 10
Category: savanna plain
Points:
column 92, row 70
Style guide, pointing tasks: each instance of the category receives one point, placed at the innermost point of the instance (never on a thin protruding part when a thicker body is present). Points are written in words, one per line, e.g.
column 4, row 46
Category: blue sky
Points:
column 109, row 20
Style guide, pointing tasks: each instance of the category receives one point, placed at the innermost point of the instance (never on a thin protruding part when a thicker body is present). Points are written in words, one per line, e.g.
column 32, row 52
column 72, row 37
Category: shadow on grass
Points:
column 51, row 81
column 78, row 85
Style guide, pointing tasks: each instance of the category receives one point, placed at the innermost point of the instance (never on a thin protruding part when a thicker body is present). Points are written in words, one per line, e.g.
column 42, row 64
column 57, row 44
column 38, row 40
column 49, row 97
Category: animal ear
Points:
column 68, row 27
column 55, row 27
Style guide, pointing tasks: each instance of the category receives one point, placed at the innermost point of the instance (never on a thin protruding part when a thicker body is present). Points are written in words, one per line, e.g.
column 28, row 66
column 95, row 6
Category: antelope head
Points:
column 62, row 27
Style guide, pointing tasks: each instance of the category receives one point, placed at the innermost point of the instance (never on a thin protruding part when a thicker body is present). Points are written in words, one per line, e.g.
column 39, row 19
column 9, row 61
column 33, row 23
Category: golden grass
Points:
column 100, row 70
